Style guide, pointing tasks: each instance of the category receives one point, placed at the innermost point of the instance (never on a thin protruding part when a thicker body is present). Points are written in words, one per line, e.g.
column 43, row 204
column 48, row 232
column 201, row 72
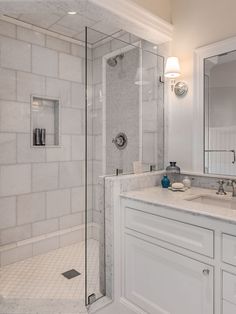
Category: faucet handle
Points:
column 221, row 188
column 231, row 182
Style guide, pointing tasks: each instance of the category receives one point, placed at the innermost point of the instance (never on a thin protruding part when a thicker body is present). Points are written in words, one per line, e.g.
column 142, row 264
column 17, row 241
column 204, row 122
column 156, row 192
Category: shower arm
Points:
column 223, row 151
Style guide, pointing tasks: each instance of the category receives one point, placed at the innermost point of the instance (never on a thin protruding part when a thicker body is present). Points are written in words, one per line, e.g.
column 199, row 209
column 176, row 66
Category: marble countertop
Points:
column 178, row 200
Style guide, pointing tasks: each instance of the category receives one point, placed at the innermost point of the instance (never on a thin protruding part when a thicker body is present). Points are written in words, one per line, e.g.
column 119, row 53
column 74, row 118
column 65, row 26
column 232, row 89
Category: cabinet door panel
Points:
column 229, row 249
column 163, row 282
column 229, row 287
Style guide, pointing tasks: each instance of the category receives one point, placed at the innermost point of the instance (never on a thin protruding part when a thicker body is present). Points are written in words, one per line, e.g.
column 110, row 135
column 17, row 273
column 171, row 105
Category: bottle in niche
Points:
column 165, row 182
column 43, row 137
column 37, row 137
column 173, row 171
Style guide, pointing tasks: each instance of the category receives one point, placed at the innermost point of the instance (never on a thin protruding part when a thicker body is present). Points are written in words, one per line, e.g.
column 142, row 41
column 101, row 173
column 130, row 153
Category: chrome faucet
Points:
column 221, row 190
column 232, row 183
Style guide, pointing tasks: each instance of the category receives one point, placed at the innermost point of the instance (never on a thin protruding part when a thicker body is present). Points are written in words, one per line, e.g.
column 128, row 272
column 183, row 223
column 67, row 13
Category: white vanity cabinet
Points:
column 176, row 263
column 161, row 281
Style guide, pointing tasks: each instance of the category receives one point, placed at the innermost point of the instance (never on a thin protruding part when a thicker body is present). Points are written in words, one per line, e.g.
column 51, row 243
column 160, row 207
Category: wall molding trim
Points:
column 138, row 21
column 200, row 54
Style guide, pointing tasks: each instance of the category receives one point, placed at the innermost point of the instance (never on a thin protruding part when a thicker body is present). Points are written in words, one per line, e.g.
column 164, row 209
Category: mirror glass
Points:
column 220, row 114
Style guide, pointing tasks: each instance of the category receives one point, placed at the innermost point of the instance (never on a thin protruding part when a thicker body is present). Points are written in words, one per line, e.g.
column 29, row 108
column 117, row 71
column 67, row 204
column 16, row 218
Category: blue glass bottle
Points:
column 165, row 182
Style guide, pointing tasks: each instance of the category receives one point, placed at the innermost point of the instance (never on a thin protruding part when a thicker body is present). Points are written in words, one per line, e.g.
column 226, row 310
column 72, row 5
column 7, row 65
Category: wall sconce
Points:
column 172, row 71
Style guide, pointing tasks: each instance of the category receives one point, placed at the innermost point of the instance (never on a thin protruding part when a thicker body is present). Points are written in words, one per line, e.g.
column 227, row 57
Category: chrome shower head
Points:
column 114, row 60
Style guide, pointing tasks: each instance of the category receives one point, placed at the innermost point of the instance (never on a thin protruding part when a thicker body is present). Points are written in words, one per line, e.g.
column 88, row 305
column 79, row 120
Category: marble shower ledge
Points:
column 176, row 201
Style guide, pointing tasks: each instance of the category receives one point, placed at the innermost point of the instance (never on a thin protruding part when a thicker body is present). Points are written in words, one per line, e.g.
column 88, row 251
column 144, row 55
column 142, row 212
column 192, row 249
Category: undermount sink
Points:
column 214, row 200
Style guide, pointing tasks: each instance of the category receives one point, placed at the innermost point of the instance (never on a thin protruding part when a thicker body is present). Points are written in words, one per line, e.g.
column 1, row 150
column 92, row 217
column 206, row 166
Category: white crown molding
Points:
column 138, row 21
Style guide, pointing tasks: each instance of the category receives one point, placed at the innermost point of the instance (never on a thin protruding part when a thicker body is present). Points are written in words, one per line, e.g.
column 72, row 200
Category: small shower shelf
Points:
column 45, row 122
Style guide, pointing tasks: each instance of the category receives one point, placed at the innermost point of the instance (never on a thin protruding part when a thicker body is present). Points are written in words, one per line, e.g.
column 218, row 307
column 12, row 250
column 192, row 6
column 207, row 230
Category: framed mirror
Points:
column 215, row 109
column 220, row 113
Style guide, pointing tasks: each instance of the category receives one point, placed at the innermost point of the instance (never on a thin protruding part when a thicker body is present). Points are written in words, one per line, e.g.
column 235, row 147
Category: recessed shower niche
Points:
column 45, row 121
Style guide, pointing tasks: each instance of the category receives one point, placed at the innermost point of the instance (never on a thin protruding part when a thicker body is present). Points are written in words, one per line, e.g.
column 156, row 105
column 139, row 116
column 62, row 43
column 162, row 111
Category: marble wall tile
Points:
column 30, row 65
column 31, row 208
column 79, row 51
column 8, row 84
column 29, row 84
column 7, row 148
column 14, row 117
column 71, row 174
column 77, row 146
column 97, row 71
column 70, row 68
column 58, row 203
column 15, row 180
column 7, row 212
column 30, row 36
column 72, row 237
column 57, row 44
column 59, row 89
column 7, row 29
column 77, row 199
column 62, row 153
column 44, row 61
column 44, row 246
column 44, row 227
column 15, row 54
column 15, row 255
column 26, row 153
column 78, row 95
column 72, row 220
column 71, row 121
column 44, row 176
column 15, row 234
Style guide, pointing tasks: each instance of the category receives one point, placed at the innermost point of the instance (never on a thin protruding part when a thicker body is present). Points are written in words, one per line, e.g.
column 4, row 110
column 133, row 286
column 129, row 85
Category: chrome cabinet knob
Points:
column 206, row 272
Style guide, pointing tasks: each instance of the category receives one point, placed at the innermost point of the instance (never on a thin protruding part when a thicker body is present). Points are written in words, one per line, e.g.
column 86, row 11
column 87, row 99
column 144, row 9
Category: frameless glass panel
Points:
column 124, row 127
column 220, row 114
column 152, row 111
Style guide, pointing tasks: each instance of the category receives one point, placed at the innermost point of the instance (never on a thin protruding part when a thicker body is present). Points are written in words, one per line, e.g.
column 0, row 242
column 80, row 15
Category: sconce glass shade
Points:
column 172, row 69
column 141, row 77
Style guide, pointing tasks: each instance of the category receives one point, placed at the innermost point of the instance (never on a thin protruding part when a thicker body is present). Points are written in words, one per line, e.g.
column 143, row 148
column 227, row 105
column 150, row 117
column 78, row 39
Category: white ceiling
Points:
column 52, row 15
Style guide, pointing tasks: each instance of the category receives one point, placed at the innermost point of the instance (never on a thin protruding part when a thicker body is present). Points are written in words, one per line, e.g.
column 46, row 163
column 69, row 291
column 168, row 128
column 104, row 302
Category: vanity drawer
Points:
column 194, row 238
column 229, row 249
column 228, row 308
column 229, row 287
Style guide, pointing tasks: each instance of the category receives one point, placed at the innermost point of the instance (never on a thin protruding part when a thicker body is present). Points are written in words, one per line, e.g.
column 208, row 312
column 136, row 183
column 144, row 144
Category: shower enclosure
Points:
column 124, row 123
column 73, row 110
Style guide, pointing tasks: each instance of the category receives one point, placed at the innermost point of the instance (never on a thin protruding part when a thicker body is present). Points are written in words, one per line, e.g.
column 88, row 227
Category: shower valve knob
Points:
column 120, row 141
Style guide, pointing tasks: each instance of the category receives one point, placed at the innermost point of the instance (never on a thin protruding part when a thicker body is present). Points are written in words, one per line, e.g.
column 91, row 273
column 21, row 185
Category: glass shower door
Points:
column 124, row 123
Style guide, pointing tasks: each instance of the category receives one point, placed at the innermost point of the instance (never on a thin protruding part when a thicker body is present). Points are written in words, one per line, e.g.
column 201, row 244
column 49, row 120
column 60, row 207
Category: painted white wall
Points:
column 196, row 23
column 162, row 8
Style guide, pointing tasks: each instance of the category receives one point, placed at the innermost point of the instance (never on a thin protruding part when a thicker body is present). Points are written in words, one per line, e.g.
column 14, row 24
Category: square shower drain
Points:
column 71, row 274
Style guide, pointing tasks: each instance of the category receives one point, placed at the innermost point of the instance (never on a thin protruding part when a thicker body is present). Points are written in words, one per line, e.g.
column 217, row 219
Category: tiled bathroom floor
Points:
column 39, row 278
